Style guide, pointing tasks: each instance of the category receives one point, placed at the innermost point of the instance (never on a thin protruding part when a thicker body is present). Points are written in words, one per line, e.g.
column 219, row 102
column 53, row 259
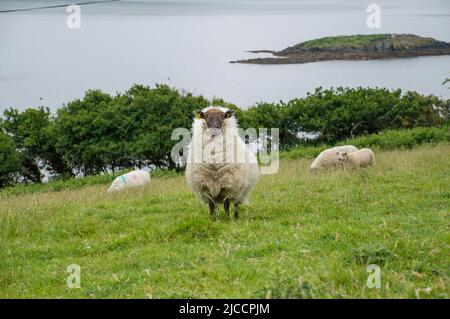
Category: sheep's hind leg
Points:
column 226, row 205
column 212, row 208
column 236, row 210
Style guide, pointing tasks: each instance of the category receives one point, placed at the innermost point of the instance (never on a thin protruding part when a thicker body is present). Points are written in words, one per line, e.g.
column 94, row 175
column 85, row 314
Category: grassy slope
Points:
column 303, row 235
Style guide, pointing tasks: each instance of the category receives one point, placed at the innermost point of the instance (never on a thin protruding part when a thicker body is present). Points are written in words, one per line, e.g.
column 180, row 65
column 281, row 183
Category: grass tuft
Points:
column 366, row 255
column 195, row 229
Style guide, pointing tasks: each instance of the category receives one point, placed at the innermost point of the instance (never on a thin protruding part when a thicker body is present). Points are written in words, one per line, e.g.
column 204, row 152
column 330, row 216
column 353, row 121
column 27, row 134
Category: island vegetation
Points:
column 355, row 47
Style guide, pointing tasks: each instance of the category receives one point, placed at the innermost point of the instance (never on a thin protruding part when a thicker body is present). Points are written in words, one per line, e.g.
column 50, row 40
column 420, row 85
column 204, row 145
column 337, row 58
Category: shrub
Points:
column 10, row 160
column 392, row 139
column 342, row 113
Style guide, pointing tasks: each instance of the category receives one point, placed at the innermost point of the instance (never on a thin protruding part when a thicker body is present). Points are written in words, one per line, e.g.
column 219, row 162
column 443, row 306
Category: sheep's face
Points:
column 342, row 156
column 214, row 119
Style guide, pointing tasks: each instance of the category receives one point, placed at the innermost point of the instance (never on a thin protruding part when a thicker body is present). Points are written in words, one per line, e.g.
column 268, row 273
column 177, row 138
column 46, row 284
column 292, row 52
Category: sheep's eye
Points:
column 229, row 114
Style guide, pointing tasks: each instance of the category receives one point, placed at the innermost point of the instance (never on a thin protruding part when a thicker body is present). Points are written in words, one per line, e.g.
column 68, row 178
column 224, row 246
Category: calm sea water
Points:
column 188, row 44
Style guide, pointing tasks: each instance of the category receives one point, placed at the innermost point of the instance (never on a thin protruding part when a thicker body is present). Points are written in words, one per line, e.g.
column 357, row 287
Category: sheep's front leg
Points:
column 226, row 205
column 212, row 208
column 236, row 210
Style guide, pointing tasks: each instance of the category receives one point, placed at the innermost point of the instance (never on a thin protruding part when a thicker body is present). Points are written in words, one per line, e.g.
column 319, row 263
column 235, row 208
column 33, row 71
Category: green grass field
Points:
column 303, row 236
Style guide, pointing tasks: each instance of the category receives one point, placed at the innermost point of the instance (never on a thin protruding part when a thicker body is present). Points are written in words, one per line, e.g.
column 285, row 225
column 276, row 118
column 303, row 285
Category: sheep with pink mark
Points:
column 130, row 180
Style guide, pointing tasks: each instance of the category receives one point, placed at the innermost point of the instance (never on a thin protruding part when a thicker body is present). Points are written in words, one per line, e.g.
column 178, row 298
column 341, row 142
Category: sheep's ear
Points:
column 229, row 114
column 198, row 114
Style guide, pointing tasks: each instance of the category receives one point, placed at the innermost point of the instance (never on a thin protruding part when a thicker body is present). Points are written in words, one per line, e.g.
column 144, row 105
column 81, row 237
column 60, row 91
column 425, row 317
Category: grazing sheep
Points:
column 221, row 168
column 329, row 158
column 362, row 158
column 129, row 180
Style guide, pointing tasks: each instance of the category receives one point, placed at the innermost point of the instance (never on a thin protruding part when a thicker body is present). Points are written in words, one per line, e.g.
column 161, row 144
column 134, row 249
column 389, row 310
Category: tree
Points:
column 154, row 114
column 10, row 160
column 100, row 132
column 85, row 129
column 34, row 133
column 266, row 115
column 338, row 114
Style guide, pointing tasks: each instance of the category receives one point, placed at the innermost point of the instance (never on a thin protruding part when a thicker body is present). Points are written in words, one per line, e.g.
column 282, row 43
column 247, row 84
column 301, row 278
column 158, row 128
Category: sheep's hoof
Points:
column 236, row 210
column 212, row 208
column 226, row 206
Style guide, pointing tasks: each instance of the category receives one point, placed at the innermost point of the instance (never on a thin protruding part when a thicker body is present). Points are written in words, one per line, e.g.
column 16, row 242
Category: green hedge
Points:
column 385, row 140
column 392, row 139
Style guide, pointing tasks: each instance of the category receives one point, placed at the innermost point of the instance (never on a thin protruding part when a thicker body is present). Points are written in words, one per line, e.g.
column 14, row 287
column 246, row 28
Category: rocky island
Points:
column 354, row 47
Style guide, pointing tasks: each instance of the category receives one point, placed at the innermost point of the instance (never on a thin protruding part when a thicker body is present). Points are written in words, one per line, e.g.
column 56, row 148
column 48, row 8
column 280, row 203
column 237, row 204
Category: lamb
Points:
column 220, row 168
column 329, row 159
column 130, row 180
column 362, row 158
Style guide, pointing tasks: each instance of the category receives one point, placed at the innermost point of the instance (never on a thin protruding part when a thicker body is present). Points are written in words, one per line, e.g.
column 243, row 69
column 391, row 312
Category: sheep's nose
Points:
column 214, row 126
column 214, row 131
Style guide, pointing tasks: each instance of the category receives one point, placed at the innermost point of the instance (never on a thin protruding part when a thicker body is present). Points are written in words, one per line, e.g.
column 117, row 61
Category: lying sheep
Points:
column 329, row 159
column 129, row 180
column 220, row 168
column 362, row 158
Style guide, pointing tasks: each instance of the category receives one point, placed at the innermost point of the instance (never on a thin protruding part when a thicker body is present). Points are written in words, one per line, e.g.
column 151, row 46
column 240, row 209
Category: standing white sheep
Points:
column 221, row 168
column 362, row 158
column 129, row 180
column 329, row 158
